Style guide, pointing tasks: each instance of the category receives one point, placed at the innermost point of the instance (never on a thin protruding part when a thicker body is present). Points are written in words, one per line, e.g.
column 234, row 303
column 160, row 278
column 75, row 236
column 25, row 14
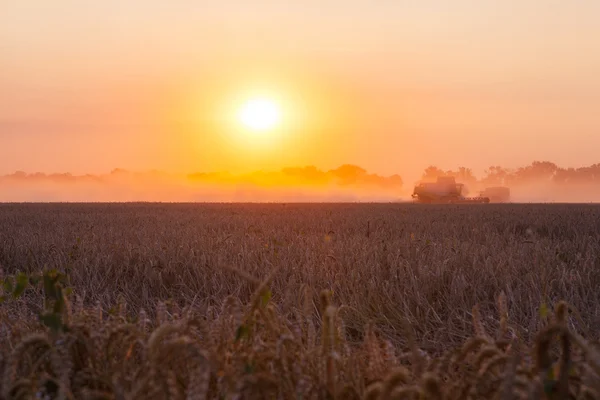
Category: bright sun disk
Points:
column 259, row 114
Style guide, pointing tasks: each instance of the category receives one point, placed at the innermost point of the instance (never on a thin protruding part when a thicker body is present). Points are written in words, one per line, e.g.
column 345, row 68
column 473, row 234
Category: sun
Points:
column 260, row 114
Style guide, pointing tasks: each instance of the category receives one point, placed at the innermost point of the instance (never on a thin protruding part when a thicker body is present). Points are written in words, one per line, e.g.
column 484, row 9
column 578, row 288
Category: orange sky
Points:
column 392, row 86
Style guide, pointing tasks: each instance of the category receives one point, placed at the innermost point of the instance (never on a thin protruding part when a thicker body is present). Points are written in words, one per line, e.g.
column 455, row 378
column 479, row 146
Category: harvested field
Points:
column 388, row 267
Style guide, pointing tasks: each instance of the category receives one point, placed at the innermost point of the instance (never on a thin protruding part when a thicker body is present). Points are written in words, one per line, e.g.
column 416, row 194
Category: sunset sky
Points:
column 392, row 86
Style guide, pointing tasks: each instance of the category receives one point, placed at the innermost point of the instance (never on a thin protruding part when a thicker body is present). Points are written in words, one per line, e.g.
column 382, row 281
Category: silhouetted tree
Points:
column 396, row 180
column 309, row 173
column 495, row 176
column 348, row 173
column 463, row 175
column 538, row 171
column 431, row 173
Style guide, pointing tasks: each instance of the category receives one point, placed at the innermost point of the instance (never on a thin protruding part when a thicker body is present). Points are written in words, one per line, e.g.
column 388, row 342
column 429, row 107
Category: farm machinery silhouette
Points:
column 447, row 191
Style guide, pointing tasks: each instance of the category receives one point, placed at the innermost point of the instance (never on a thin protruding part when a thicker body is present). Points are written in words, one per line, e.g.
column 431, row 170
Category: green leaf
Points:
column 51, row 273
column 543, row 310
column 249, row 368
column 49, row 289
column 241, row 332
column 549, row 386
column 52, row 321
column 22, row 281
column 59, row 304
column 34, row 280
column 8, row 285
column 265, row 297
column 550, row 374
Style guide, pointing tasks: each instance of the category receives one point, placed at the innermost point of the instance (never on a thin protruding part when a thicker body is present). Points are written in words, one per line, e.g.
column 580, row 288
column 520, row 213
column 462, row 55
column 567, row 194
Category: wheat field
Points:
column 290, row 301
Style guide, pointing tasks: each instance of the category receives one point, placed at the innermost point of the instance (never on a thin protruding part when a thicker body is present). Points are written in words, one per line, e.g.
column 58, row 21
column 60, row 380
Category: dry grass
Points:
column 306, row 301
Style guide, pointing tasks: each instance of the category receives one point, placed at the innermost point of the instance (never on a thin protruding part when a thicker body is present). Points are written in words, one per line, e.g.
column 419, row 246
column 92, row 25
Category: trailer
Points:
column 497, row 194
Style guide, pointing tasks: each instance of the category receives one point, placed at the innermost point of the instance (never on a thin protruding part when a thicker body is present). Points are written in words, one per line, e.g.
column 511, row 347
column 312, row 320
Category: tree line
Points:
column 536, row 172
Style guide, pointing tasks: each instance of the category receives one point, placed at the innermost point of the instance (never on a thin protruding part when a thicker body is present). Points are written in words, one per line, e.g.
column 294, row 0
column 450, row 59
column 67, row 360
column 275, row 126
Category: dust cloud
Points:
column 347, row 183
column 538, row 182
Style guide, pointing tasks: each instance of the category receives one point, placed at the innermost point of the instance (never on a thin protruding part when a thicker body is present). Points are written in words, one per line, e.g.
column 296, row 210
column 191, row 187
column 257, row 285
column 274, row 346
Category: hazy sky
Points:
column 389, row 85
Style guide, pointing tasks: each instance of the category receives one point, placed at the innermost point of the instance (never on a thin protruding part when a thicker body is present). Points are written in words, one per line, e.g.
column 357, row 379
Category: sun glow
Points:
column 260, row 114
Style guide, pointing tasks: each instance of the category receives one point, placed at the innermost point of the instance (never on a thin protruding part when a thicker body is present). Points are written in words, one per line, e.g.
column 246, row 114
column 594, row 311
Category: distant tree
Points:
column 64, row 177
column 38, row 176
column 308, row 173
column 593, row 173
column 19, row 175
column 396, row 180
column 589, row 174
column 390, row 182
column 544, row 169
column 348, row 173
column 565, row 175
column 495, row 175
column 431, row 173
column 463, row 175
column 537, row 171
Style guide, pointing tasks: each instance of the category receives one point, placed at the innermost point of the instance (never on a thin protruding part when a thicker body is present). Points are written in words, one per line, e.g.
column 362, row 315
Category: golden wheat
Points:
column 278, row 312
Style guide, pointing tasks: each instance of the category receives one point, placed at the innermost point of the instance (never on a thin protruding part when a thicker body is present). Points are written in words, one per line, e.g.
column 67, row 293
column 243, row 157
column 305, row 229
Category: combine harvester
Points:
column 447, row 191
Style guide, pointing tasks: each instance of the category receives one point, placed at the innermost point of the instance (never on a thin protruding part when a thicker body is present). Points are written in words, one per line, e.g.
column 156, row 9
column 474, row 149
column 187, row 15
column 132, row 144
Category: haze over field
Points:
column 537, row 182
column 230, row 88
